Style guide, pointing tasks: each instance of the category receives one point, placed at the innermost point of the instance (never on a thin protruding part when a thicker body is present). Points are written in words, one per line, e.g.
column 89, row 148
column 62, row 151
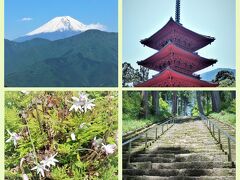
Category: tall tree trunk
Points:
column 213, row 103
column 208, row 102
column 145, row 104
column 199, row 101
column 233, row 94
column 174, row 103
column 216, row 101
column 181, row 111
column 185, row 106
column 155, row 102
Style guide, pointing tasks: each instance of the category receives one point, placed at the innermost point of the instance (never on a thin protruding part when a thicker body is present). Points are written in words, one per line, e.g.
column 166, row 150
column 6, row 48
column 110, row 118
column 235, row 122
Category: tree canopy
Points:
column 150, row 106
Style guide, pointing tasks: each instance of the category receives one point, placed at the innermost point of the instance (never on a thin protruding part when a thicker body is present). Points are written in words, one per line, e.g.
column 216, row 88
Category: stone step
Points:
column 189, row 134
column 186, row 151
column 181, row 172
column 182, row 144
column 179, row 178
column 207, row 143
column 230, row 130
column 181, row 165
column 189, row 146
column 181, row 158
column 170, row 155
column 187, row 140
column 226, row 145
column 183, row 151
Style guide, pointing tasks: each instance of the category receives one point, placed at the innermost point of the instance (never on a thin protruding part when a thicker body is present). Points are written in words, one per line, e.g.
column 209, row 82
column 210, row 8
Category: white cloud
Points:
column 97, row 26
column 26, row 19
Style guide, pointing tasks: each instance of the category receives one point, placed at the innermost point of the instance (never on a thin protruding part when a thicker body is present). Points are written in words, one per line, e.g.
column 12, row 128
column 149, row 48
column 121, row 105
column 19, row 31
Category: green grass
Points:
column 225, row 117
column 130, row 125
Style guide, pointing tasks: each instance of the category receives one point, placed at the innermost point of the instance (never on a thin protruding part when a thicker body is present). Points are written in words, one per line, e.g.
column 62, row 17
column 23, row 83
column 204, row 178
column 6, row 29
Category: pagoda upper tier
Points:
column 179, row 35
column 177, row 59
column 171, row 78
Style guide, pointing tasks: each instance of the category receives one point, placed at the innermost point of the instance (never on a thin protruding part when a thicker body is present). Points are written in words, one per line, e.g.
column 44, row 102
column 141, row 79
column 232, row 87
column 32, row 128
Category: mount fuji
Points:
column 60, row 28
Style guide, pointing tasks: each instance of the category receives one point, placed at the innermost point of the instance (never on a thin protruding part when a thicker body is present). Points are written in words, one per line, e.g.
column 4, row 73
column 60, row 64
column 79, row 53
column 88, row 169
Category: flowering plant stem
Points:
column 87, row 149
column 38, row 118
column 30, row 137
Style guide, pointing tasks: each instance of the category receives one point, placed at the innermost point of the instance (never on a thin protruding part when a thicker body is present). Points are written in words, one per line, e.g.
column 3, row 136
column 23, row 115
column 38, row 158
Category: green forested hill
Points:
column 87, row 59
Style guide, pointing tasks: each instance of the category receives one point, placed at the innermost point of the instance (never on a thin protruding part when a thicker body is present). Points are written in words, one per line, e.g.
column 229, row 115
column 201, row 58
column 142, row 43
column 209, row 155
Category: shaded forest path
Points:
column 186, row 151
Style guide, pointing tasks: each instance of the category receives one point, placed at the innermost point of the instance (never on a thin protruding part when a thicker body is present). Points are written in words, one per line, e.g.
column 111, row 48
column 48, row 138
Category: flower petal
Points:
column 75, row 98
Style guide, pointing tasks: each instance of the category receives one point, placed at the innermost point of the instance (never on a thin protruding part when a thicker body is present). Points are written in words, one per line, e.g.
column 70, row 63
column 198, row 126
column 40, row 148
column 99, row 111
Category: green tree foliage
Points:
column 43, row 126
column 131, row 104
column 78, row 61
column 133, row 110
column 132, row 76
column 225, row 79
column 227, row 101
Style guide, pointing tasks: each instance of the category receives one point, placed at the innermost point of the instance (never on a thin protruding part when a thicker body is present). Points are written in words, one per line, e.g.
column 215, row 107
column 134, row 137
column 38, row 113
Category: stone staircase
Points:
column 231, row 131
column 186, row 151
column 226, row 127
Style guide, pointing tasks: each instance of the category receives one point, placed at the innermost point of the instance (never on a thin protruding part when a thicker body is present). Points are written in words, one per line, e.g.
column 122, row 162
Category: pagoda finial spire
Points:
column 177, row 12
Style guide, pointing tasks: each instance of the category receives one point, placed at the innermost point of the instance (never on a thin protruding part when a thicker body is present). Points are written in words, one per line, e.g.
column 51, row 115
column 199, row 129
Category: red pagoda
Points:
column 176, row 59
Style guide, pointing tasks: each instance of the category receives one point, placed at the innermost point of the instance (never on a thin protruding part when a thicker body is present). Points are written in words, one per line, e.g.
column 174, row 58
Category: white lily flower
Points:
column 77, row 104
column 25, row 177
column 40, row 169
column 82, row 103
column 73, row 137
column 88, row 105
column 49, row 161
column 109, row 149
column 83, row 96
column 14, row 137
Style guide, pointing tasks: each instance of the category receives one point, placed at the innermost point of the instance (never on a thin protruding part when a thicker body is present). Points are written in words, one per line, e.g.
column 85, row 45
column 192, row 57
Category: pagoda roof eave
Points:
column 182, row 78
column 161, row 55
column 175, row 47
column 145, row 41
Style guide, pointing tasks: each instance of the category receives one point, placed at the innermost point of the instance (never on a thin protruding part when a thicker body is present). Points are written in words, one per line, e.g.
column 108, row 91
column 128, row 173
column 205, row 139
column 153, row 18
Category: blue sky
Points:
column 216, row 18
column 23, row 16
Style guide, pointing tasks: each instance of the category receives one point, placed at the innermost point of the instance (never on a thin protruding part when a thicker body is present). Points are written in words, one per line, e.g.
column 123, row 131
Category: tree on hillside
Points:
column 144, row 73
column 225, row 78
column 131, row 76
column 128, row 74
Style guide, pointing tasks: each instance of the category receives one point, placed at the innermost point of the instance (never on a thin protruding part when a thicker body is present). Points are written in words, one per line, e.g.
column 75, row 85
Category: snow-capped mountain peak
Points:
column 64, row 23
